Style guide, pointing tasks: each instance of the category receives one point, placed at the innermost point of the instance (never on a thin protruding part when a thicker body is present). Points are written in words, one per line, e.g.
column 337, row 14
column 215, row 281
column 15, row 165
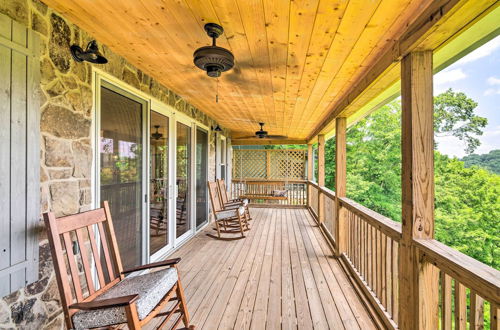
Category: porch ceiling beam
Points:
column 416, row 38
column 235, row 142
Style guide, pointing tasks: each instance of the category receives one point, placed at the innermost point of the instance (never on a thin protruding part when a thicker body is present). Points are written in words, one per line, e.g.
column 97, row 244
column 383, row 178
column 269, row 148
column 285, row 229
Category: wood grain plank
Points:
column 288, row 314
column 460, row 306
column 362, row 317
column 446, row 305
column 240, row 301
column 313, row 295
column 274, row 292
column 476, row 314
column 237, row 273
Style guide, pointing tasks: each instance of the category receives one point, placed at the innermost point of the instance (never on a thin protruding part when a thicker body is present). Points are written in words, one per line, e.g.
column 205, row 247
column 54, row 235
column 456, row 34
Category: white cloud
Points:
column 491, row 91
column 481, row 52
column 493, row 81
column 448, row 76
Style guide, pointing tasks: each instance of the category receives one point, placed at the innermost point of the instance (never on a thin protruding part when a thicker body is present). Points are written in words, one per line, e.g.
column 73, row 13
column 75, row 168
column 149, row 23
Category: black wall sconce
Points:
column 216, row 128
column 90, row 54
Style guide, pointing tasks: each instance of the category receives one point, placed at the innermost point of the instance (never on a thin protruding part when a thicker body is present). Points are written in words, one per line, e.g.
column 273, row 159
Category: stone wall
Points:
column 65, row 151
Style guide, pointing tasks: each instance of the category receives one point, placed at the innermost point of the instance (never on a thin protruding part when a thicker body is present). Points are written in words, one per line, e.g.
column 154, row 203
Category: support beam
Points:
column 321, row 160
column 310, row 162
column 321, row 177
column 418, row 287
column 340, row 183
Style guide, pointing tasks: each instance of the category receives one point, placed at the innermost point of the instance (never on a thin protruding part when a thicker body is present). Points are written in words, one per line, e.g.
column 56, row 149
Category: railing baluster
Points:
column 460, row 306
column 476, row 315
column 383, row 267
column 395, row 281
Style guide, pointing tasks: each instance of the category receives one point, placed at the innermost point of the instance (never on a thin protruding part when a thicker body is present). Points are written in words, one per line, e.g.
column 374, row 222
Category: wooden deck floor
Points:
column 280, row 276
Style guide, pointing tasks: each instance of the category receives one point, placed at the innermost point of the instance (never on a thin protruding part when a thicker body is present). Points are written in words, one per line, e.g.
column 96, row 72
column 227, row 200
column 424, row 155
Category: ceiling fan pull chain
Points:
column 217, row 92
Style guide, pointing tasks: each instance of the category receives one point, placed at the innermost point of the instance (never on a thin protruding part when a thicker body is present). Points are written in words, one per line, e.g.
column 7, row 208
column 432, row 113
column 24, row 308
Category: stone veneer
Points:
column 65, row 151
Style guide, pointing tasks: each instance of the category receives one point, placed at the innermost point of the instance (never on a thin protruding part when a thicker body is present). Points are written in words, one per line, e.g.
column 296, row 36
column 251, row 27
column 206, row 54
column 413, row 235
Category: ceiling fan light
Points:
column 213, row 59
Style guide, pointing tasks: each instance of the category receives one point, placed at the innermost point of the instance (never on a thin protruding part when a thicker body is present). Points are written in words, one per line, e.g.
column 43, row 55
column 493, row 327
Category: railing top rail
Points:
column 389, row 227
column 472, row 273
column 257, row 180
column 328, row 192
column 312, row 183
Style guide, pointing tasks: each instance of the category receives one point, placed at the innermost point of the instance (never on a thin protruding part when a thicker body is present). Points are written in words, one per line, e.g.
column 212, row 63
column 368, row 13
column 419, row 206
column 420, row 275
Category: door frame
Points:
column 166, row 111
column 101, row 79
column 207, row 130
column 189, row 122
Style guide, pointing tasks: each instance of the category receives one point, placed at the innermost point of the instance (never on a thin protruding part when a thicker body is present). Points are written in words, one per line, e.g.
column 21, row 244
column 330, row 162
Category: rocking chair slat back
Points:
column 73, row 244
column 214, row 197
column 75, row 276
column 73, row 222
column 85, row 261
column 223, row 191
column 96, row 257
column 104, row 239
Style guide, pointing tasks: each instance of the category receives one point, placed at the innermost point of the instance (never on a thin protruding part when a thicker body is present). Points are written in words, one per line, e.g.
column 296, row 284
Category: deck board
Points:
column 281, row 276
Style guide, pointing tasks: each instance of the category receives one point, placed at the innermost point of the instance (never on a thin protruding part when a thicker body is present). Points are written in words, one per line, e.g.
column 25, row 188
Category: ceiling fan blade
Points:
column 277, row 137
column 245, row 137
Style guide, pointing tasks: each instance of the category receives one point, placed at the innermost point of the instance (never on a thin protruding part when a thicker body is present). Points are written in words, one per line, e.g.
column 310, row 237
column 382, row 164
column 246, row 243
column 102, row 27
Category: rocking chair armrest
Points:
column 168, row 262
column 106, row 303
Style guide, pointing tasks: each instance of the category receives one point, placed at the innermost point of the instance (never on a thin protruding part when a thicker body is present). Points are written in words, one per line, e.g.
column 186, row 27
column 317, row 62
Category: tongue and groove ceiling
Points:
column 294, row 59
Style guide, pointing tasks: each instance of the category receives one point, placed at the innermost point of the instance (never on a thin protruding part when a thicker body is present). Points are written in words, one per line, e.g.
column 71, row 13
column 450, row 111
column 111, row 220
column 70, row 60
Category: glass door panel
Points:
column 121, row 169
column 158, row 209
column 201, row 177
column 183, row 162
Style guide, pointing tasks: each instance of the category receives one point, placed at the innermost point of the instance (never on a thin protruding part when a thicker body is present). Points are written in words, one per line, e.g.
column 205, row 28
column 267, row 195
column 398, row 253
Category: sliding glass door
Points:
column 122, row 168
column 146, row 170
column 201, row 177
column 183, row 179
column 159, row 183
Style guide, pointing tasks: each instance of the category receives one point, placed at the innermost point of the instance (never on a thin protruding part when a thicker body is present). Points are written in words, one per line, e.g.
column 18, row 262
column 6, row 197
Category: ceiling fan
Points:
column 157, row 135
column 261, row 134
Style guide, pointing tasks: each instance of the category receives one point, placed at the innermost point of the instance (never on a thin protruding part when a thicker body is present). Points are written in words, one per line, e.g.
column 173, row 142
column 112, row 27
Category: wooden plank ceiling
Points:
column 294, row 59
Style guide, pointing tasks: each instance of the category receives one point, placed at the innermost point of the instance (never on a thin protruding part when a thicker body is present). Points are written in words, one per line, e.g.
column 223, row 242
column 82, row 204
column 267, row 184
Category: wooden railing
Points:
column 469, row 290
column 372, row 256
column 296, row 191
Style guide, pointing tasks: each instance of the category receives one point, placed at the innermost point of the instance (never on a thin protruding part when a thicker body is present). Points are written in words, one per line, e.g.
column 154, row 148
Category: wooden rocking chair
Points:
column 231, row 203
column 114, row 299
column 232, row 221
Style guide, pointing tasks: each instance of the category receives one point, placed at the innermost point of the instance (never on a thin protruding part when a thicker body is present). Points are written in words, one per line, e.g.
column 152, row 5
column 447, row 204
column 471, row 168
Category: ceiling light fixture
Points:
column 213, row 59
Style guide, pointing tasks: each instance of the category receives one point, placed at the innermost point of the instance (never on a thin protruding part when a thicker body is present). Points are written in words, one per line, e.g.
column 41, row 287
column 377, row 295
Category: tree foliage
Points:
column 467, row 208
column 454, row 116
column 489, row 161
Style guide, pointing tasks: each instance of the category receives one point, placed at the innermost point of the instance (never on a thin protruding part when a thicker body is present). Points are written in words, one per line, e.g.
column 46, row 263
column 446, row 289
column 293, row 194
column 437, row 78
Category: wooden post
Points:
column 418, row 287
column 340, row 184
column 310, row 171
column 310, row 162
column 321, row 177
column 268, row 164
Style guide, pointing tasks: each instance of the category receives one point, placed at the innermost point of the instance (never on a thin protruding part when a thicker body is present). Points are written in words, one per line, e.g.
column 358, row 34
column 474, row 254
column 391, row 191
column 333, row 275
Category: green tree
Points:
column 467, row 199
column 489, row 161
column 454, row 116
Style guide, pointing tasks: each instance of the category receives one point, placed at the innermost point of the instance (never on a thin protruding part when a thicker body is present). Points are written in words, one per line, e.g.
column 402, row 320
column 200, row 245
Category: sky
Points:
column 478, row 76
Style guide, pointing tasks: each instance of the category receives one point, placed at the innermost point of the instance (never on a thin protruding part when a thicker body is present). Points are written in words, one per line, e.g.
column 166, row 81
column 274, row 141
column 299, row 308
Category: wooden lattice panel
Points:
column 269, row 164
column 249, row 164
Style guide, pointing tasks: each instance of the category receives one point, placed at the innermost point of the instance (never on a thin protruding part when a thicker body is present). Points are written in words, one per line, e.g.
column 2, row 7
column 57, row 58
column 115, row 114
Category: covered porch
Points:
column 147, row 130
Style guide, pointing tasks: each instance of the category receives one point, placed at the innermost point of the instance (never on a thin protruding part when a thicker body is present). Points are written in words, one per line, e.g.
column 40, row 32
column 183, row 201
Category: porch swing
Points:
column 264, row 190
